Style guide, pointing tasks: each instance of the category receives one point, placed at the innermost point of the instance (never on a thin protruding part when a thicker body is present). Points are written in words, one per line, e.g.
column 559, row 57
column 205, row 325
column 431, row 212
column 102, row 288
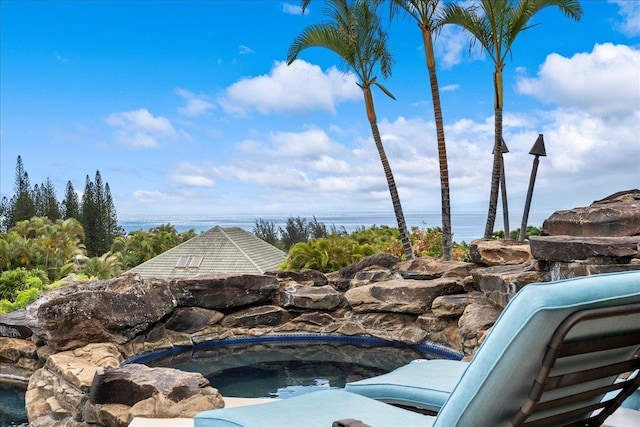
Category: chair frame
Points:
column 559, row 348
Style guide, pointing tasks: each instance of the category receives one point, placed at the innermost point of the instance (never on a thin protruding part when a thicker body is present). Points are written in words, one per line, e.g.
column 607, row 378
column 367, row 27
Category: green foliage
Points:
column 515, row 234
column 140, row 246
column 14, row 281
column 295, row 231
column 6, row 306
column 25, row 297
column 267, row 231
column 336, row 251
column 327, row 253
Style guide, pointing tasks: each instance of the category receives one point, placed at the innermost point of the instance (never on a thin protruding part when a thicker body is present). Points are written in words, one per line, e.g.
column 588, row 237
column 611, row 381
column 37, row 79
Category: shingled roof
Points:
column 218, row 250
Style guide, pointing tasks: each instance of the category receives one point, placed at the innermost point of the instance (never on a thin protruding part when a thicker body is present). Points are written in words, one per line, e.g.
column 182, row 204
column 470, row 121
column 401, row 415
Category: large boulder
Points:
column 115, row 311
column 131, row 383
column 265, row 315
column 14, row 325
column 427, row 268
column 499, row 252
column 597, row 249
column 192, row 319
column 401, row 296
column 615, row 216
column 223, row 291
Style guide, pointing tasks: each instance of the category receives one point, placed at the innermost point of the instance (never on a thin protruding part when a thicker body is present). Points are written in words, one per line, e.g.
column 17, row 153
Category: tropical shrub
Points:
column 14, row 281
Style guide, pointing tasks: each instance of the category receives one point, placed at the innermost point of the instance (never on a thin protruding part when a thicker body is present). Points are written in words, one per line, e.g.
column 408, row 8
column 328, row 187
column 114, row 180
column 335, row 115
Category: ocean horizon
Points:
column 466, row 227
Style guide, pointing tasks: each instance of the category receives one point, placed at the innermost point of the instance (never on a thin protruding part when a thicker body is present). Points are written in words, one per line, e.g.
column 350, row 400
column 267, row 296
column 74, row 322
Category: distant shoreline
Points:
column 466, row 227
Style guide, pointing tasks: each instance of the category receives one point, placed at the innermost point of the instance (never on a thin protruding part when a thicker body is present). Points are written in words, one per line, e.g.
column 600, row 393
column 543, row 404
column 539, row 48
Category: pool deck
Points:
column 621, row 418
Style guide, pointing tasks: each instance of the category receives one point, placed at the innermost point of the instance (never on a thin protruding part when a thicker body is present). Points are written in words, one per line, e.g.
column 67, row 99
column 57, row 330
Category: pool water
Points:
column 285, row 369
column 12, row 412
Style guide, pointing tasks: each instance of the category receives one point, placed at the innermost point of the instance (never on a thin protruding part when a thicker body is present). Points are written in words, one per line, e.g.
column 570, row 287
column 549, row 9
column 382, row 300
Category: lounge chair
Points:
column 552, row 355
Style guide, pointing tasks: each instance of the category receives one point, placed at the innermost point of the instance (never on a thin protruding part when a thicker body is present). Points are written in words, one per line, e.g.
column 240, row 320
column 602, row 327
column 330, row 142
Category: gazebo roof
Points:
column 218, row 250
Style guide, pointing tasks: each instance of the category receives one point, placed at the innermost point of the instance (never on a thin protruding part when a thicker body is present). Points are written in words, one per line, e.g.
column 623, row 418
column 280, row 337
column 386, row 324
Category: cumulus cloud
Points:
column 141, row 129
column 299, row 87
column 602, row 82
column 630, row 14
column 197, row 105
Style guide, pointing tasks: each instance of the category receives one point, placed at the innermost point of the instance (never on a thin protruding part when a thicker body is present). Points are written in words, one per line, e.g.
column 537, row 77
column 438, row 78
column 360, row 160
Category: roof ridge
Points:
column 244, row 254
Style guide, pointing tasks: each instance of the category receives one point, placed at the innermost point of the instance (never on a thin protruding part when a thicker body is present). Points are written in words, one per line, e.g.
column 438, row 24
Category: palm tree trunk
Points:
column 445, row 201
column 496, row 171
column 395, row 198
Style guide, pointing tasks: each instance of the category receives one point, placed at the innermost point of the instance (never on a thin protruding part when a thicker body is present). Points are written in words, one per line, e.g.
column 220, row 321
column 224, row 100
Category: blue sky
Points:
column 188, row 108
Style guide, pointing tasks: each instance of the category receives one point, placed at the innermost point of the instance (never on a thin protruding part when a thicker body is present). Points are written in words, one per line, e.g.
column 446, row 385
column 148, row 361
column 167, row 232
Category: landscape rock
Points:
column 192, row 319
column 306, row 277
column 266, row 315
column 401, row 296
column 131, row 383
column 453, row 305
column 370, row 275
column 500, row 283
column 598, row 250
column 310, row 297
column 568, row 270
column 14, row 325
column 476, row 319
column 378, row 260
column 492, row 252
column 72, row 317
column 223, row 291
column 427, row 268
column 617, row 215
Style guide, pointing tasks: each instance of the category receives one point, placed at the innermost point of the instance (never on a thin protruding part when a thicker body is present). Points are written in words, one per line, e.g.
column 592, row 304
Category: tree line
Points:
column 94, row 210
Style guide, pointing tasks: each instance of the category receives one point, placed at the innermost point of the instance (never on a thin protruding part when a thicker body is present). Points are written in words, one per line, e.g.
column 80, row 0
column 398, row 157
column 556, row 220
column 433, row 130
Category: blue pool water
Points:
column 12, row 411
column 272, row 366
column 284, row 368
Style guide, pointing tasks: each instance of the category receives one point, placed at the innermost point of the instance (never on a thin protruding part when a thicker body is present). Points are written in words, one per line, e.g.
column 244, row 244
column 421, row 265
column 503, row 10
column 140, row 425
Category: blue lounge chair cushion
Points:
column 423, row 384
column 499, row 378
column 319, row 408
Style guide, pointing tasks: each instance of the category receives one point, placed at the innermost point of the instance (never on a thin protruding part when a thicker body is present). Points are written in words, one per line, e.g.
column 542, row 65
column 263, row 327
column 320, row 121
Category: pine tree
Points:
column 71, row 204
column 51, row 207
column 111, row 217
column 89, row 218
column 98, row 217
column 21, row 206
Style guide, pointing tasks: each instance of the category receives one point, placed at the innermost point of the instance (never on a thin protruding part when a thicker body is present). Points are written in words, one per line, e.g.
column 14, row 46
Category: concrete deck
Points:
column 621, row 418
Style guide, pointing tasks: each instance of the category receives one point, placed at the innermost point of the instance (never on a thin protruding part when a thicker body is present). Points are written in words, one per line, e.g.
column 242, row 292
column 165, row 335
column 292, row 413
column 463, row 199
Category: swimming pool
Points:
column 287, row 365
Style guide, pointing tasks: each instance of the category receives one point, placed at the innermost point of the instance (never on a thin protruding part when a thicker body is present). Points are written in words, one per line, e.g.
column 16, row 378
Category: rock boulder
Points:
column 615, row 216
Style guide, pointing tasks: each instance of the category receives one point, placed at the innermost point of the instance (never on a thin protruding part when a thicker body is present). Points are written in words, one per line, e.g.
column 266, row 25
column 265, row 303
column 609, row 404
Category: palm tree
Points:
column 356, row 37
column 496, row 24
column 425, row 13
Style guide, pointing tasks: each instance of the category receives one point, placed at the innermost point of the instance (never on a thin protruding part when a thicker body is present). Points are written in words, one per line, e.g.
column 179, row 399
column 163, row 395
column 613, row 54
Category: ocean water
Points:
column 465, row 226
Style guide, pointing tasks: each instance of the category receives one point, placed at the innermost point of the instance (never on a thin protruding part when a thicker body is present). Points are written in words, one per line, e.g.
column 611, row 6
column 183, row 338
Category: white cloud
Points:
column 630, row 13
column 300, row 87
column 197, row 105
column 140, row 129
column 452, row 47
column 191, row 176
column 292, row 9
column 601, row 82
column 245, row 50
